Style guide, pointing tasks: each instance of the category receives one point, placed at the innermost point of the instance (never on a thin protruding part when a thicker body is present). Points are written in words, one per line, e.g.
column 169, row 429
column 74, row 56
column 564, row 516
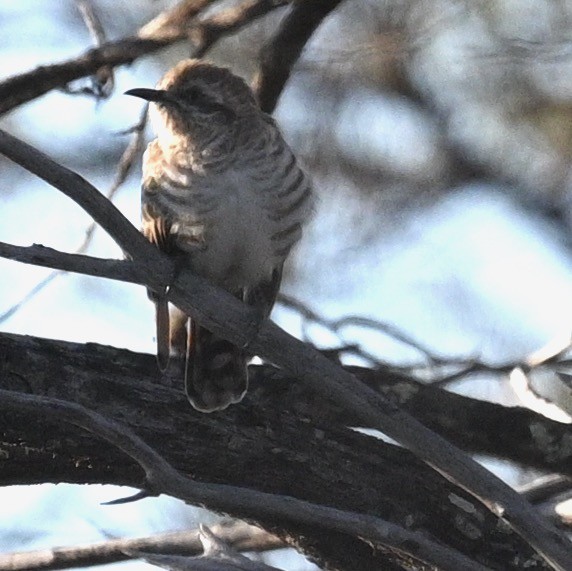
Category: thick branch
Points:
column 162, row 478
column 510, row 433
column 283, row 50
column 258, row 444
column 223, row 314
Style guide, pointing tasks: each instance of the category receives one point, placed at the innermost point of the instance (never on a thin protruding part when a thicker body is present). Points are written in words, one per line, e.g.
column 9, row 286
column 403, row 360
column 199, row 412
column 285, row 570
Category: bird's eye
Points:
column 193, row 95
column 203, row 102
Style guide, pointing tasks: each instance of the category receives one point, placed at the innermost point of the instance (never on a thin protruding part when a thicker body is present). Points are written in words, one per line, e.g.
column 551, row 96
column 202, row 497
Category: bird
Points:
column 224, row 194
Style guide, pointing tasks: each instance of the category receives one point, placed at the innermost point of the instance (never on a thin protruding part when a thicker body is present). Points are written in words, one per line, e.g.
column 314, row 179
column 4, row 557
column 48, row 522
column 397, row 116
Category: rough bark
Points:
column 261, row 443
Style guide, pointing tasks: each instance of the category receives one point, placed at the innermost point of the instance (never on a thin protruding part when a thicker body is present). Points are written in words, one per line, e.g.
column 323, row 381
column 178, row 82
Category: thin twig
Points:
column 126, row 162
column 130, row 154
column 433, row 361
column 240, row 535
column 103, row 80
column 554, row 355
column 336, row 325
column 39, row 287
column 157, row 34
column 224, row 315
column 162, row 478
column 217, row 556
column 92, row 21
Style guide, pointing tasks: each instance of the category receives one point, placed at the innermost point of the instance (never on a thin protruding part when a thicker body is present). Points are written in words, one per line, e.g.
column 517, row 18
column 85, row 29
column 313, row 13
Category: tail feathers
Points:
column 216, row 374
column 214, row 369
column 163, row 335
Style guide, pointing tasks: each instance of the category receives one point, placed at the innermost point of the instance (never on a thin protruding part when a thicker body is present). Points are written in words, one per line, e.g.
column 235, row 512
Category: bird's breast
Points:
column 237, row 222
column 227, row 230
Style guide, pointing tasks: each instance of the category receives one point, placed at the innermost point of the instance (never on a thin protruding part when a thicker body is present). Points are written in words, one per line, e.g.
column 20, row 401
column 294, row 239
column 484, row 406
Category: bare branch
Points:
column 103, row 80
column 131, row 152
column 279, row 56
column 170, row 22
column 19, row 89
column 31, row 294
column 474, row 425
column 545, row 487
column 224, row 315
column 230, row 21
column 163, row 31
column 162, row 478
column 337, row 325
column 436, row 369
column 91, row 200
column 42, row 256
column 240, row 535
column 217, row 556
column 282, row 440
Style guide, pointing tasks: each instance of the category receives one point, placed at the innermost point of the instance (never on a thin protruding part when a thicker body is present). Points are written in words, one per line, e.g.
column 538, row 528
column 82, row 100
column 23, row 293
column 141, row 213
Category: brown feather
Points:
column 223, row 193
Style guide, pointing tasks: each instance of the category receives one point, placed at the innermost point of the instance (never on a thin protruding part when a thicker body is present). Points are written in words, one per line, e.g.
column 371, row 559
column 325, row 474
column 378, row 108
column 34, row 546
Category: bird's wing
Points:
column 156, row 229
column 263, row 295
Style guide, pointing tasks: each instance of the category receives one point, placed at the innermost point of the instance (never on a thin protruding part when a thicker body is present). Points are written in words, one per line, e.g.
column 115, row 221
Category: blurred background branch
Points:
column 438, row 136
column 173, row 26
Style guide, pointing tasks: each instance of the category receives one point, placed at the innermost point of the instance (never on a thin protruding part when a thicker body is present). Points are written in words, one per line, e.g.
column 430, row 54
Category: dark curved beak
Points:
column 157, row 95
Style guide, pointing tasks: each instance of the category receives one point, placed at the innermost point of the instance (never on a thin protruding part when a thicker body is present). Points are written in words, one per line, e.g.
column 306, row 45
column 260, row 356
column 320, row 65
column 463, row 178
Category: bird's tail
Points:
column 215, row 374
column 214, row 369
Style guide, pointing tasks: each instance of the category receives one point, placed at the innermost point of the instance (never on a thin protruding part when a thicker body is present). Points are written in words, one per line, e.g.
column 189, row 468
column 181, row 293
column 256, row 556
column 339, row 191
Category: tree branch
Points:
column 162, row 478
column 281, row 53
column 220, row 312
column 480, row 427
column 132, row 150
column 176, row 25
column 103, row 80
column 217, row 556
column 219, row 25
column 172, row 22
column 30, row 85
column 45, row 257
column 239, row 535
column 263, row 444
column 104, row 212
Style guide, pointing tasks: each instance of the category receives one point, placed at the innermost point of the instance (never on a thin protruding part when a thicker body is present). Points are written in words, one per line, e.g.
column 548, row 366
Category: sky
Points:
column 470, row 271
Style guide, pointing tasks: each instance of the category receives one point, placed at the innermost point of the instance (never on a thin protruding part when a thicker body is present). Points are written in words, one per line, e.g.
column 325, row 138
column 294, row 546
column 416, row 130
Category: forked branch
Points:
column 162, row 478
column 219, row 311
column 176, row 25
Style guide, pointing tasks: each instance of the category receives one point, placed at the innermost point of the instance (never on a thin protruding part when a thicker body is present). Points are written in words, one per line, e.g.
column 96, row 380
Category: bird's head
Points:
column 195, row 98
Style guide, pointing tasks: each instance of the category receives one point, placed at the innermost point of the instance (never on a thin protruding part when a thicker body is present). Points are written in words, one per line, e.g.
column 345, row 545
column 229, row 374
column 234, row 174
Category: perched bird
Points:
column 223, row 192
